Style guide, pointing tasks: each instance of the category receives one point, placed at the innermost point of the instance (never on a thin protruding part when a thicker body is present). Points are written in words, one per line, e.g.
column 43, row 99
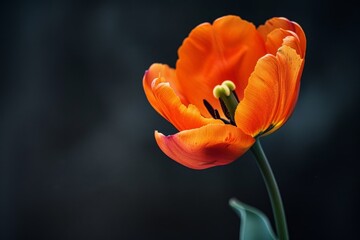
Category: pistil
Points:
column 228, row 99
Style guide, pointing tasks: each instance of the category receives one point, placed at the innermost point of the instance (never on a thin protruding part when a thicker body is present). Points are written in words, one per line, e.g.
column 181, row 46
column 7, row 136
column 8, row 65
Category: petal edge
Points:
column 205, row 147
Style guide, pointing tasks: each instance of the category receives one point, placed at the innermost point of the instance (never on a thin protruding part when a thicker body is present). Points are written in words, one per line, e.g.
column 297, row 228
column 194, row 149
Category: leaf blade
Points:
column 254, row 224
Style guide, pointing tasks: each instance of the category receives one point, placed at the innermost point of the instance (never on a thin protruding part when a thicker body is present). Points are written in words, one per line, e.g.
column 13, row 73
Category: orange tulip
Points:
column 219, row 121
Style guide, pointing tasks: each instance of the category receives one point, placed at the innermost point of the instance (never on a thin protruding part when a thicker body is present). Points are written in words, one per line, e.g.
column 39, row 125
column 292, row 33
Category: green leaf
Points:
column 254, row 224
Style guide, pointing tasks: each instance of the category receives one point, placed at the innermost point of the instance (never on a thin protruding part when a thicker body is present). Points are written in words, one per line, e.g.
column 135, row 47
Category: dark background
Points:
column 78, row 159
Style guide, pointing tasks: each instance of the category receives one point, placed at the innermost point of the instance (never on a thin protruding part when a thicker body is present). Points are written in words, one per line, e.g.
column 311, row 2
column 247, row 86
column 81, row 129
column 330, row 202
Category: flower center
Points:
column 228, row 101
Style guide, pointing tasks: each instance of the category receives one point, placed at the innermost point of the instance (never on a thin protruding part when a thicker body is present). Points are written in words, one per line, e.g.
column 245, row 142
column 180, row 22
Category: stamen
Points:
column 210, row 109
column 228, row 102
column 214, row 112
column 217, row 115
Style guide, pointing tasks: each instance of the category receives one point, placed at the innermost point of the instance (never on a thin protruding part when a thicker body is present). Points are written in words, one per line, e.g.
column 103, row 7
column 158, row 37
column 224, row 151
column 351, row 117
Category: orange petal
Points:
column 290, row 71
column 254, row 113
column 274, row 38
column 152, row 73
column 279, row 37
column 171, row 107
column 226, row 50
column 271, row 93
column 166, row 102
column 208, row 146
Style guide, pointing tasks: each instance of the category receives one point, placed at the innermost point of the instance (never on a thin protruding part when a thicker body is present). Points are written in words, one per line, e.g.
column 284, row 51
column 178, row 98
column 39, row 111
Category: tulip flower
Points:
column 232, row 84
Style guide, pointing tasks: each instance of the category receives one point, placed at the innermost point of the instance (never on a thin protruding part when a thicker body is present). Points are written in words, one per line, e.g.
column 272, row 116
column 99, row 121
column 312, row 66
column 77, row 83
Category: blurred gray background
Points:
column 78, row 159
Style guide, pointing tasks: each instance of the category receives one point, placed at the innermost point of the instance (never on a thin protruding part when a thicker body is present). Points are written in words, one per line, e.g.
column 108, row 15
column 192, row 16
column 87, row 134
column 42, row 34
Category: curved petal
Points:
column 271, row 94
column 226, row 50
column 181, row 116
column 290, row 70
column 205, row 147
column 254, row 113
column 152, row 73
column 272, row 37
column 279, row 37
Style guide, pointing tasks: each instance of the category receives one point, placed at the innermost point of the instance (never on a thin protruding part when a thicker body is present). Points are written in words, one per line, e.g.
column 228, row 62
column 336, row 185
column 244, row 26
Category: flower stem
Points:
column 273, row 191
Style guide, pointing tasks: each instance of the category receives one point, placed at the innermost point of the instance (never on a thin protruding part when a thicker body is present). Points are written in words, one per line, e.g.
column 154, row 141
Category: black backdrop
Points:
column 77, row 155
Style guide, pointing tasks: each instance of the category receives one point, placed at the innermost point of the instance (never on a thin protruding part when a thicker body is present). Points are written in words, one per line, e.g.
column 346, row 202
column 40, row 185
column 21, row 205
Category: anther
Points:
column 214, row 112
column 210, row 109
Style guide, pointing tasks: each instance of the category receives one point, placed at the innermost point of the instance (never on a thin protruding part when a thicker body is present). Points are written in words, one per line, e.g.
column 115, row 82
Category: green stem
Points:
column 273, row 190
